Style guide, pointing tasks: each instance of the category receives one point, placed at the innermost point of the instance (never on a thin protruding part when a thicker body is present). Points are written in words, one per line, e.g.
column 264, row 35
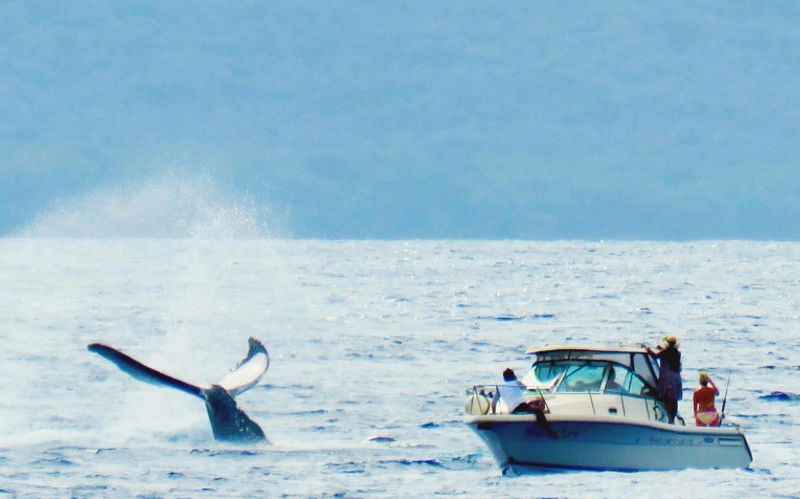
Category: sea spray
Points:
column 172, row 204
column 184, row 219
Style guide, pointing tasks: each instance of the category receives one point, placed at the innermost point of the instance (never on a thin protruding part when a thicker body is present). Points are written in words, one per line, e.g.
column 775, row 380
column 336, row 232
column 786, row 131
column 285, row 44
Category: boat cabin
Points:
column 564, row 369
column 611, row 381
column 583, row 380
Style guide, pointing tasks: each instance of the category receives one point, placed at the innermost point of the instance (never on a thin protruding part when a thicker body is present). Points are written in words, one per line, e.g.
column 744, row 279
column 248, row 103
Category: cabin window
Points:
column 626, row 381
column 546, row 373
column 587, row 376
column 583, row 378
column 635, row 385
column 641, row 367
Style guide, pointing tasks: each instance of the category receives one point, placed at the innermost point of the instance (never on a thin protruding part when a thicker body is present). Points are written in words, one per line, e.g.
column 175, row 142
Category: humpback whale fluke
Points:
column 228, row 422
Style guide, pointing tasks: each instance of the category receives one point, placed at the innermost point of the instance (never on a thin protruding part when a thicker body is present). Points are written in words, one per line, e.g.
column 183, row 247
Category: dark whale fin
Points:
column 142, row 372
column 228, row 422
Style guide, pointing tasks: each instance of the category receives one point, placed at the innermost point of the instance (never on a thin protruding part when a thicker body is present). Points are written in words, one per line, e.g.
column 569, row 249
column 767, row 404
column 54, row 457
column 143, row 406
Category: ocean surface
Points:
column 373, row 344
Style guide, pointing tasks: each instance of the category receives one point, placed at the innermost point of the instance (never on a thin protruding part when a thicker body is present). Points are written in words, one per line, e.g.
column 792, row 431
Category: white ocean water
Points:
column 368, row 338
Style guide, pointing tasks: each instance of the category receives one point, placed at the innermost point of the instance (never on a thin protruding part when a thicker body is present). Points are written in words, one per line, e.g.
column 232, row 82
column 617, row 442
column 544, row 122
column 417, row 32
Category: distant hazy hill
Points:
column 417, row 119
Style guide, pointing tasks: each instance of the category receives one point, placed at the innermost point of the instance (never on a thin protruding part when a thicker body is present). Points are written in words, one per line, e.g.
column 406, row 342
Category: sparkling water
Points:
column 373, row 344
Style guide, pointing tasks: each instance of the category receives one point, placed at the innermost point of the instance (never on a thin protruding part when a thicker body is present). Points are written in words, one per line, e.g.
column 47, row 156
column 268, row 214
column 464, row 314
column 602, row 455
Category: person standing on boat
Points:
column 510, row 393
column 705, row 414
column 670, row 386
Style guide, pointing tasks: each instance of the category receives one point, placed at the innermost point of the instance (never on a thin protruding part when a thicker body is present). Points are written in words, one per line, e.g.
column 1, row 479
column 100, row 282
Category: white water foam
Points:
column 176, row 218
column 173, row 204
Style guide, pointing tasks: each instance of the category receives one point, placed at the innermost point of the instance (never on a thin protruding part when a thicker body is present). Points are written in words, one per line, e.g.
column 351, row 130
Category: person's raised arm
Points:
column 711, row 382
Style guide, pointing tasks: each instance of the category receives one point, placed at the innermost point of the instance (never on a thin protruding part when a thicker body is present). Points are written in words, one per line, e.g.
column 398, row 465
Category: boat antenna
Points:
column 725, row 398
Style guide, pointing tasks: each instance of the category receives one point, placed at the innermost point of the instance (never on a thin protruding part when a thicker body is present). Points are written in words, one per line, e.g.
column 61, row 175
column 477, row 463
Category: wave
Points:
column 450, row 463
column 781, row 397
column 512, row 317
column 225, row 452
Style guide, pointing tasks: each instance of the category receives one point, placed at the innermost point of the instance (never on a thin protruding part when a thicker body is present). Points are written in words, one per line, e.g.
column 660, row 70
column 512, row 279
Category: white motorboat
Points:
column 596, row 408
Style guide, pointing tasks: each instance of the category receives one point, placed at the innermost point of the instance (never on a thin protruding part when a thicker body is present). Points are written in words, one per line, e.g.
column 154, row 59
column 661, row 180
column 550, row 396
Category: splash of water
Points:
column 215, row 232
column 172, row 205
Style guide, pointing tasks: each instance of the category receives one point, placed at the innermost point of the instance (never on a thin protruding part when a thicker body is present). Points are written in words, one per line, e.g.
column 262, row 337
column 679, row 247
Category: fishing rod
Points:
column 725, row 398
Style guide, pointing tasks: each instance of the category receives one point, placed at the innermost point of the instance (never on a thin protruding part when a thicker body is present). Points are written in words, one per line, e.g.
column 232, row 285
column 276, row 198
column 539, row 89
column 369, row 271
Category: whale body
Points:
column 228, row 422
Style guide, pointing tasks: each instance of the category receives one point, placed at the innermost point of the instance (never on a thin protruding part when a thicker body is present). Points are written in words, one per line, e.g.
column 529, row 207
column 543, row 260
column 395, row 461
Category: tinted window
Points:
column 625, row 381
column 640, row 365
column 584, row 378
column 545, row 373
column 635, row 385
column 617, row 381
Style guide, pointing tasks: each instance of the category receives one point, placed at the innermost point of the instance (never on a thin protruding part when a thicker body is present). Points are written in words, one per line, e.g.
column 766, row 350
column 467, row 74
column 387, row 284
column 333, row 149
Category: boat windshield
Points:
column 586, row 376
column 637, row 361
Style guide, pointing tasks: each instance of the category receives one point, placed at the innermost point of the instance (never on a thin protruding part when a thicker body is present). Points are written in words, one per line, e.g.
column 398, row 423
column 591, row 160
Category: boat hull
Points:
column 605, row 443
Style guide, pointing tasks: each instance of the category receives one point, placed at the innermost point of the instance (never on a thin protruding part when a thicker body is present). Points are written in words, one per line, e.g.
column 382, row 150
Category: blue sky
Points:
column 411, row 120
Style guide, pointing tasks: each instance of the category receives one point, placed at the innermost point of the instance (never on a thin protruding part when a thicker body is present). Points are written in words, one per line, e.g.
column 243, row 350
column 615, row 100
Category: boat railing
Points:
column 483, row 398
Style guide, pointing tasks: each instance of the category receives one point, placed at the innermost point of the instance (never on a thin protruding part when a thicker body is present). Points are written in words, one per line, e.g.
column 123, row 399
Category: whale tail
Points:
column 228, row 422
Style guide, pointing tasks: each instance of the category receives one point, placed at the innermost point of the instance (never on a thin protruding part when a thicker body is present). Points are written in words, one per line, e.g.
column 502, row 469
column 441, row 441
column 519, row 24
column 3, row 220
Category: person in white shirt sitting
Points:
column 511, row 393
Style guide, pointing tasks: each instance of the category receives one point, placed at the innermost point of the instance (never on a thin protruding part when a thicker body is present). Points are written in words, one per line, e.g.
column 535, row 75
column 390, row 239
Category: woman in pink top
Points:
column 705, row 414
